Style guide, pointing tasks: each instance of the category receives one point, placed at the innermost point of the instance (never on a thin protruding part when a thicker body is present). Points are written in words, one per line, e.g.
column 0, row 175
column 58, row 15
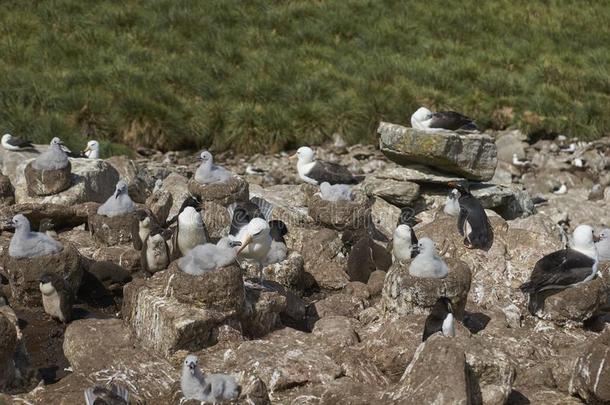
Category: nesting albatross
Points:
column 26, row 243
column 209, row 257
column 119, row 203
column 564, row 268
column 428, row 264
column 54, row 158
column 316, row 171
column 426, row 120
column 10, row 142
column 208, row 172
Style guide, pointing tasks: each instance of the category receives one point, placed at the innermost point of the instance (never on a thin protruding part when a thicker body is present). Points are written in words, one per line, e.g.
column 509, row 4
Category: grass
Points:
column 176, row 74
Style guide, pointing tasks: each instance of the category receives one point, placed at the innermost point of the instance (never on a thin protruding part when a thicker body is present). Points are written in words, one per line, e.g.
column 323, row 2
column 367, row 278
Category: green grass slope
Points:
column 272, row 74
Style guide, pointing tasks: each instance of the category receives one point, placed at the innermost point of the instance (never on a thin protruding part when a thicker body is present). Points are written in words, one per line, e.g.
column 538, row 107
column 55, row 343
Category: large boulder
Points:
column 406, row 294
column 289, row 202
column 177, row 185
column 399, row 193
column 117, row 357
column 289, row 273
column 91, row 180
column 7, row 192
column 47, row 182
column 172, row 311
column 24, row 274
column 8, row 343
column 139, row 187
column 473, row 156
column 111, row 231
column 340, row 215
column 160, row 203
column 233, row 190
column 591, row 374
column 437, row 375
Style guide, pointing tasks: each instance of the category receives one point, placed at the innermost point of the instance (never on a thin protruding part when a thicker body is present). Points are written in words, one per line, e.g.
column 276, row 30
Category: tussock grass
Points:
column 267, row 75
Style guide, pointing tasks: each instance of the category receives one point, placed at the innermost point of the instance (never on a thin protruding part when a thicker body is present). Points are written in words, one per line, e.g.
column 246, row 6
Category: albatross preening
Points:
column 316, row 171
column 208, row 172
column 10, row 142
column 26, row 243
column 119, row 203
column 92, row 151
column 564, row 268
column 54, row 158
column 426, row 120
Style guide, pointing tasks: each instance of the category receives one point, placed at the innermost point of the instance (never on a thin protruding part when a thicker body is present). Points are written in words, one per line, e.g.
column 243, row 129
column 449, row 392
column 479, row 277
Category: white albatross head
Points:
column 93, row 149
column 206, row 157
column 584, row 237
column 305, row 154
column 257, row 230
column 426, row 247
column 191, row 364
column 419, row 117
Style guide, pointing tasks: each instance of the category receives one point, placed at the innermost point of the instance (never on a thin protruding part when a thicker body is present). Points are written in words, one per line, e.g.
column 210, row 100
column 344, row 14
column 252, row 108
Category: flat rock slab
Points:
column 116, row 358
column 24, row 274
column 399, row 193
column 164, row 324
column 233, row 190
column 416, row 173
column 340, row 215
column 289, row 202
column 472, row 156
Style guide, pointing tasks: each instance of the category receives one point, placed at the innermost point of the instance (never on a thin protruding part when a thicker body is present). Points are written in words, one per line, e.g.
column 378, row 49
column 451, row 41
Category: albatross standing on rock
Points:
column 119, row 203
column 426, row 120
column 316, row 172
column 26, row 243
column 10, row 142
column 564, row 268
column 92, row 151
column 208, row 172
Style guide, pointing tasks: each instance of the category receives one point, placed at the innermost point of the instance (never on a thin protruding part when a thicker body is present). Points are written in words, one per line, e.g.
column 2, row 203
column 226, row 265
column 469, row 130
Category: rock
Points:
column 24, row 274
column 321, row 249
column 47, row 182
column 138, row 188
column 399, row 193
column 473, row 156
column 576, row 304
column 68, row 391
column 122, row 255
column 288, row 273
column 177, row 186
column 289, row 203
column 160, row 203
column 62, row 216
column 341, row 215
column 216, row 219
column 340, row 305
column 375, row 283
column 168, row 314
column 384, row 217
column 509, row 143
column 365, row 257
column 7, row 192
column 8, row 344
column 509, row 201
column 339, row 329
column 117, row 358
column 437, row 375
column 263, row 312
column 111, row 231
column 233, row 190
column 12, row 159
column 416, row 173
column 590, row 378
column 91, row 180
column 406, row 294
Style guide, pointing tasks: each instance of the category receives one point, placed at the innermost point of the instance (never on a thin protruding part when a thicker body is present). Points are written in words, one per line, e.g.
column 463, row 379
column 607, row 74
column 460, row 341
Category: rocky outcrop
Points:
column 340, row 215
column 111, row 231
column 91, row 180
column 233, row 190
column 437, row 375
column 406, row 294
column 160, row 203
column 289, row 273
column 24, row 274
column 7, row 192
column 177, row 185
column 47, row 182
column 399, row 193
column 470, row 156
column 139, row 188
column 591, row 375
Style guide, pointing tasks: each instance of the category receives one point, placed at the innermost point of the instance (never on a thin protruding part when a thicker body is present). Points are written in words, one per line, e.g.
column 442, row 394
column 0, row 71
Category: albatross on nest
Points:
column 316, row 171
column 426, row 120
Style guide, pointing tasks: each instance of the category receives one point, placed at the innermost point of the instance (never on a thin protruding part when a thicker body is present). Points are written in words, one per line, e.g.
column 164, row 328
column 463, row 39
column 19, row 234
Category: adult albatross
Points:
column 317, row 172
column 426, row 120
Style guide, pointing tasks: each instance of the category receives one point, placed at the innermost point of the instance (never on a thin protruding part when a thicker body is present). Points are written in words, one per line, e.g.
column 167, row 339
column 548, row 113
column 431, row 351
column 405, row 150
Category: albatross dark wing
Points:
column 561, row 268
column 452, row 120
column 20, row 143
column 332, row 173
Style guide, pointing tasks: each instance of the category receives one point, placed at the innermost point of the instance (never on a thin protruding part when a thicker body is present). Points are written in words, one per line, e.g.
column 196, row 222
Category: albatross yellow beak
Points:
column 87, row 149
column 245, row 243
column 293, row 156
